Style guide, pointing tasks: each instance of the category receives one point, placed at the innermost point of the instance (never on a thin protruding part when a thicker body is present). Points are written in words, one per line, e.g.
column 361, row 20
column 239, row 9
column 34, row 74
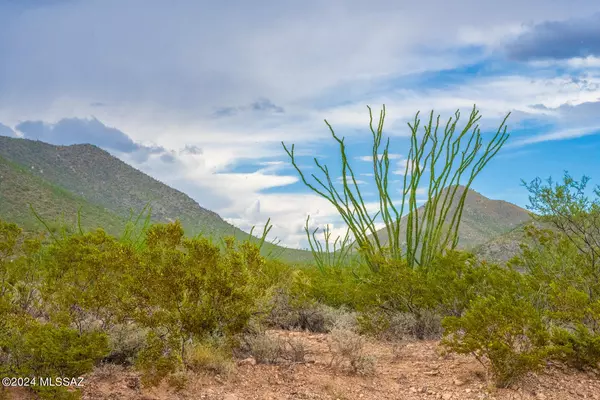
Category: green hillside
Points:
column 482, row 220
column 57, row 180
column 19, row 188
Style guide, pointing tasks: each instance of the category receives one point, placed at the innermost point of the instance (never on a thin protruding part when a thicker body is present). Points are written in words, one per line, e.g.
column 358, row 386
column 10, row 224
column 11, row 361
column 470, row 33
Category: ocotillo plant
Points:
column 332, row 255
column 446, row 159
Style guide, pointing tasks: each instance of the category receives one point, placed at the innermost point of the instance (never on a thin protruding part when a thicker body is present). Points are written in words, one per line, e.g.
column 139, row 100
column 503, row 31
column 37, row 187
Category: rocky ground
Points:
column 414, row 370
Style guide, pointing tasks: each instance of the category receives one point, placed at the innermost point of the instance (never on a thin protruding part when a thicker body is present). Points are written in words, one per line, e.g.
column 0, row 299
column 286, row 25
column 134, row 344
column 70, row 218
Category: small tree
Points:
column 447, row 159
column 566, row 207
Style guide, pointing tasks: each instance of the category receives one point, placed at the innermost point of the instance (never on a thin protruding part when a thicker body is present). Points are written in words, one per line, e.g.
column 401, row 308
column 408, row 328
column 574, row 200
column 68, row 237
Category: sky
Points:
column 200, row 94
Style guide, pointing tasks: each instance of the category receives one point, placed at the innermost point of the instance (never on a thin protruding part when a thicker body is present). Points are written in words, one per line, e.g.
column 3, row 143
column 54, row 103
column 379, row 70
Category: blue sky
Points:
column 200, row 94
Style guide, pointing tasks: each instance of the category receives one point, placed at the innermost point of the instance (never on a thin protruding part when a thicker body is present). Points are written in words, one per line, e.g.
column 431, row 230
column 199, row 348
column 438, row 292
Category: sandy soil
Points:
column 415, row 370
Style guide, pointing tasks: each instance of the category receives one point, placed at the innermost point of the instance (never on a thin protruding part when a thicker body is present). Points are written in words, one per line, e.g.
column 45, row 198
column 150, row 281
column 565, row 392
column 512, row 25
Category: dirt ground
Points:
column 414, row 370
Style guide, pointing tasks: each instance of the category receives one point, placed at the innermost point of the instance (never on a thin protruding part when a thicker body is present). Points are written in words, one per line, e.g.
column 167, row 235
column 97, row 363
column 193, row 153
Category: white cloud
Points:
column 313, row 59
column 391, row 156
column 563, row 134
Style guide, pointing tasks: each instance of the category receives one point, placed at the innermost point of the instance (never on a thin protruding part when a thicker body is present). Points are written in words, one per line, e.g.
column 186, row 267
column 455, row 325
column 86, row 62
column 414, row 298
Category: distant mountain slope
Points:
column 59, row 179
column 482, row 220
column 19, row 188
column 98, row 177
column 504, row 247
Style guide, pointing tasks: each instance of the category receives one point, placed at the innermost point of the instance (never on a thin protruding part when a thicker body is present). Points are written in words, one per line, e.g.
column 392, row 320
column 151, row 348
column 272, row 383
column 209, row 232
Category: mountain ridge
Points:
column 60, row 179
column 483, row 219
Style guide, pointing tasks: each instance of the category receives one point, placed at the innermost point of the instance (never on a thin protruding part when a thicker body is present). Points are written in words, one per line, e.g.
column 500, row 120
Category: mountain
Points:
column 19, row 188
column 57, row 180
column 482, row 219
column 504, row 247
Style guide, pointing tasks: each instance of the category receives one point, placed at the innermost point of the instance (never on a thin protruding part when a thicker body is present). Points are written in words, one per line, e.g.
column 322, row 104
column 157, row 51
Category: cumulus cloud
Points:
column 70, row 131
column 194, row 109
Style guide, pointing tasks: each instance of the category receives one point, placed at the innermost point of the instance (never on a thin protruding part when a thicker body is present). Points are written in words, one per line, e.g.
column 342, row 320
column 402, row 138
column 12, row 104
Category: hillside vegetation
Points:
column 167, row 307
column 58, row 180
column 482, row 219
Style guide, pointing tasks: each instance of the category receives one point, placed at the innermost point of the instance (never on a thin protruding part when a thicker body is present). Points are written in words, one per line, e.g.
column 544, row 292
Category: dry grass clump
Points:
column 206, row 358
column 273, row 349
column 348, row 352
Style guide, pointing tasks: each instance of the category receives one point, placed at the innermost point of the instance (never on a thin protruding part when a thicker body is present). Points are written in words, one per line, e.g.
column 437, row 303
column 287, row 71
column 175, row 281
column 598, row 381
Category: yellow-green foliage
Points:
column 203, row 357
column 158, row 359
column 83, row 280
column 504, row 332
column 190, row 301
column 565, row 286
column 34, row 349
column 59, row 302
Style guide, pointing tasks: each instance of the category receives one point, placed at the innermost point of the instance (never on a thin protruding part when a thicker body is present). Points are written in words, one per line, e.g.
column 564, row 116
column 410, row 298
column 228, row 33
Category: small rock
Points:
column 446, row 396
column 458, row 382
column 247, row 361
column 540, row 395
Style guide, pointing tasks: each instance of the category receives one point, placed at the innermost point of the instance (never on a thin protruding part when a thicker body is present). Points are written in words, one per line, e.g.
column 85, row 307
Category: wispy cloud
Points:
column 391, row 156
column 563, row 134
column 203, row 109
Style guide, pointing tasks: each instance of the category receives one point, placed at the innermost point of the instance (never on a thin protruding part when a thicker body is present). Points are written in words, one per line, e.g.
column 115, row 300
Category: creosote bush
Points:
column 507, row 336
column 550, row 309
column 83, row 298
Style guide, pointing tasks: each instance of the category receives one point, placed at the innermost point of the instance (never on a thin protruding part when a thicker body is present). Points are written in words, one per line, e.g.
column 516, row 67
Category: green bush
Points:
column 100, row 296
column 206, row 357
column 564, row 287
column 578, row 347
column 506, row 334
column 158, row 359
column 84, row 280
column 31, row 348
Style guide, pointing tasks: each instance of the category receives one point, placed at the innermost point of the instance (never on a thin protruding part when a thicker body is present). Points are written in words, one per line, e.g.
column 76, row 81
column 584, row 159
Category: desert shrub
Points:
column 84, row 280
column 409, row 302
column 19, row 271
column 125, row 341
column 506, row 334
column 108, row 371
column 204, row 357
column 158, row 359
column 348, row 352
column 303, row 313
column 266, row 349
column 295, row 350
column 399, row 326
column 145, row 302
column 188, row 289
column 564, row 287
column 333, row 286
column 178, row 380
column 31, row 348
column 577, row 347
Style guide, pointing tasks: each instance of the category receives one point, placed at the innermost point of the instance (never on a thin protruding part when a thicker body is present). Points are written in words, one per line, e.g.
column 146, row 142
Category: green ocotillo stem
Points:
column 427, row 233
